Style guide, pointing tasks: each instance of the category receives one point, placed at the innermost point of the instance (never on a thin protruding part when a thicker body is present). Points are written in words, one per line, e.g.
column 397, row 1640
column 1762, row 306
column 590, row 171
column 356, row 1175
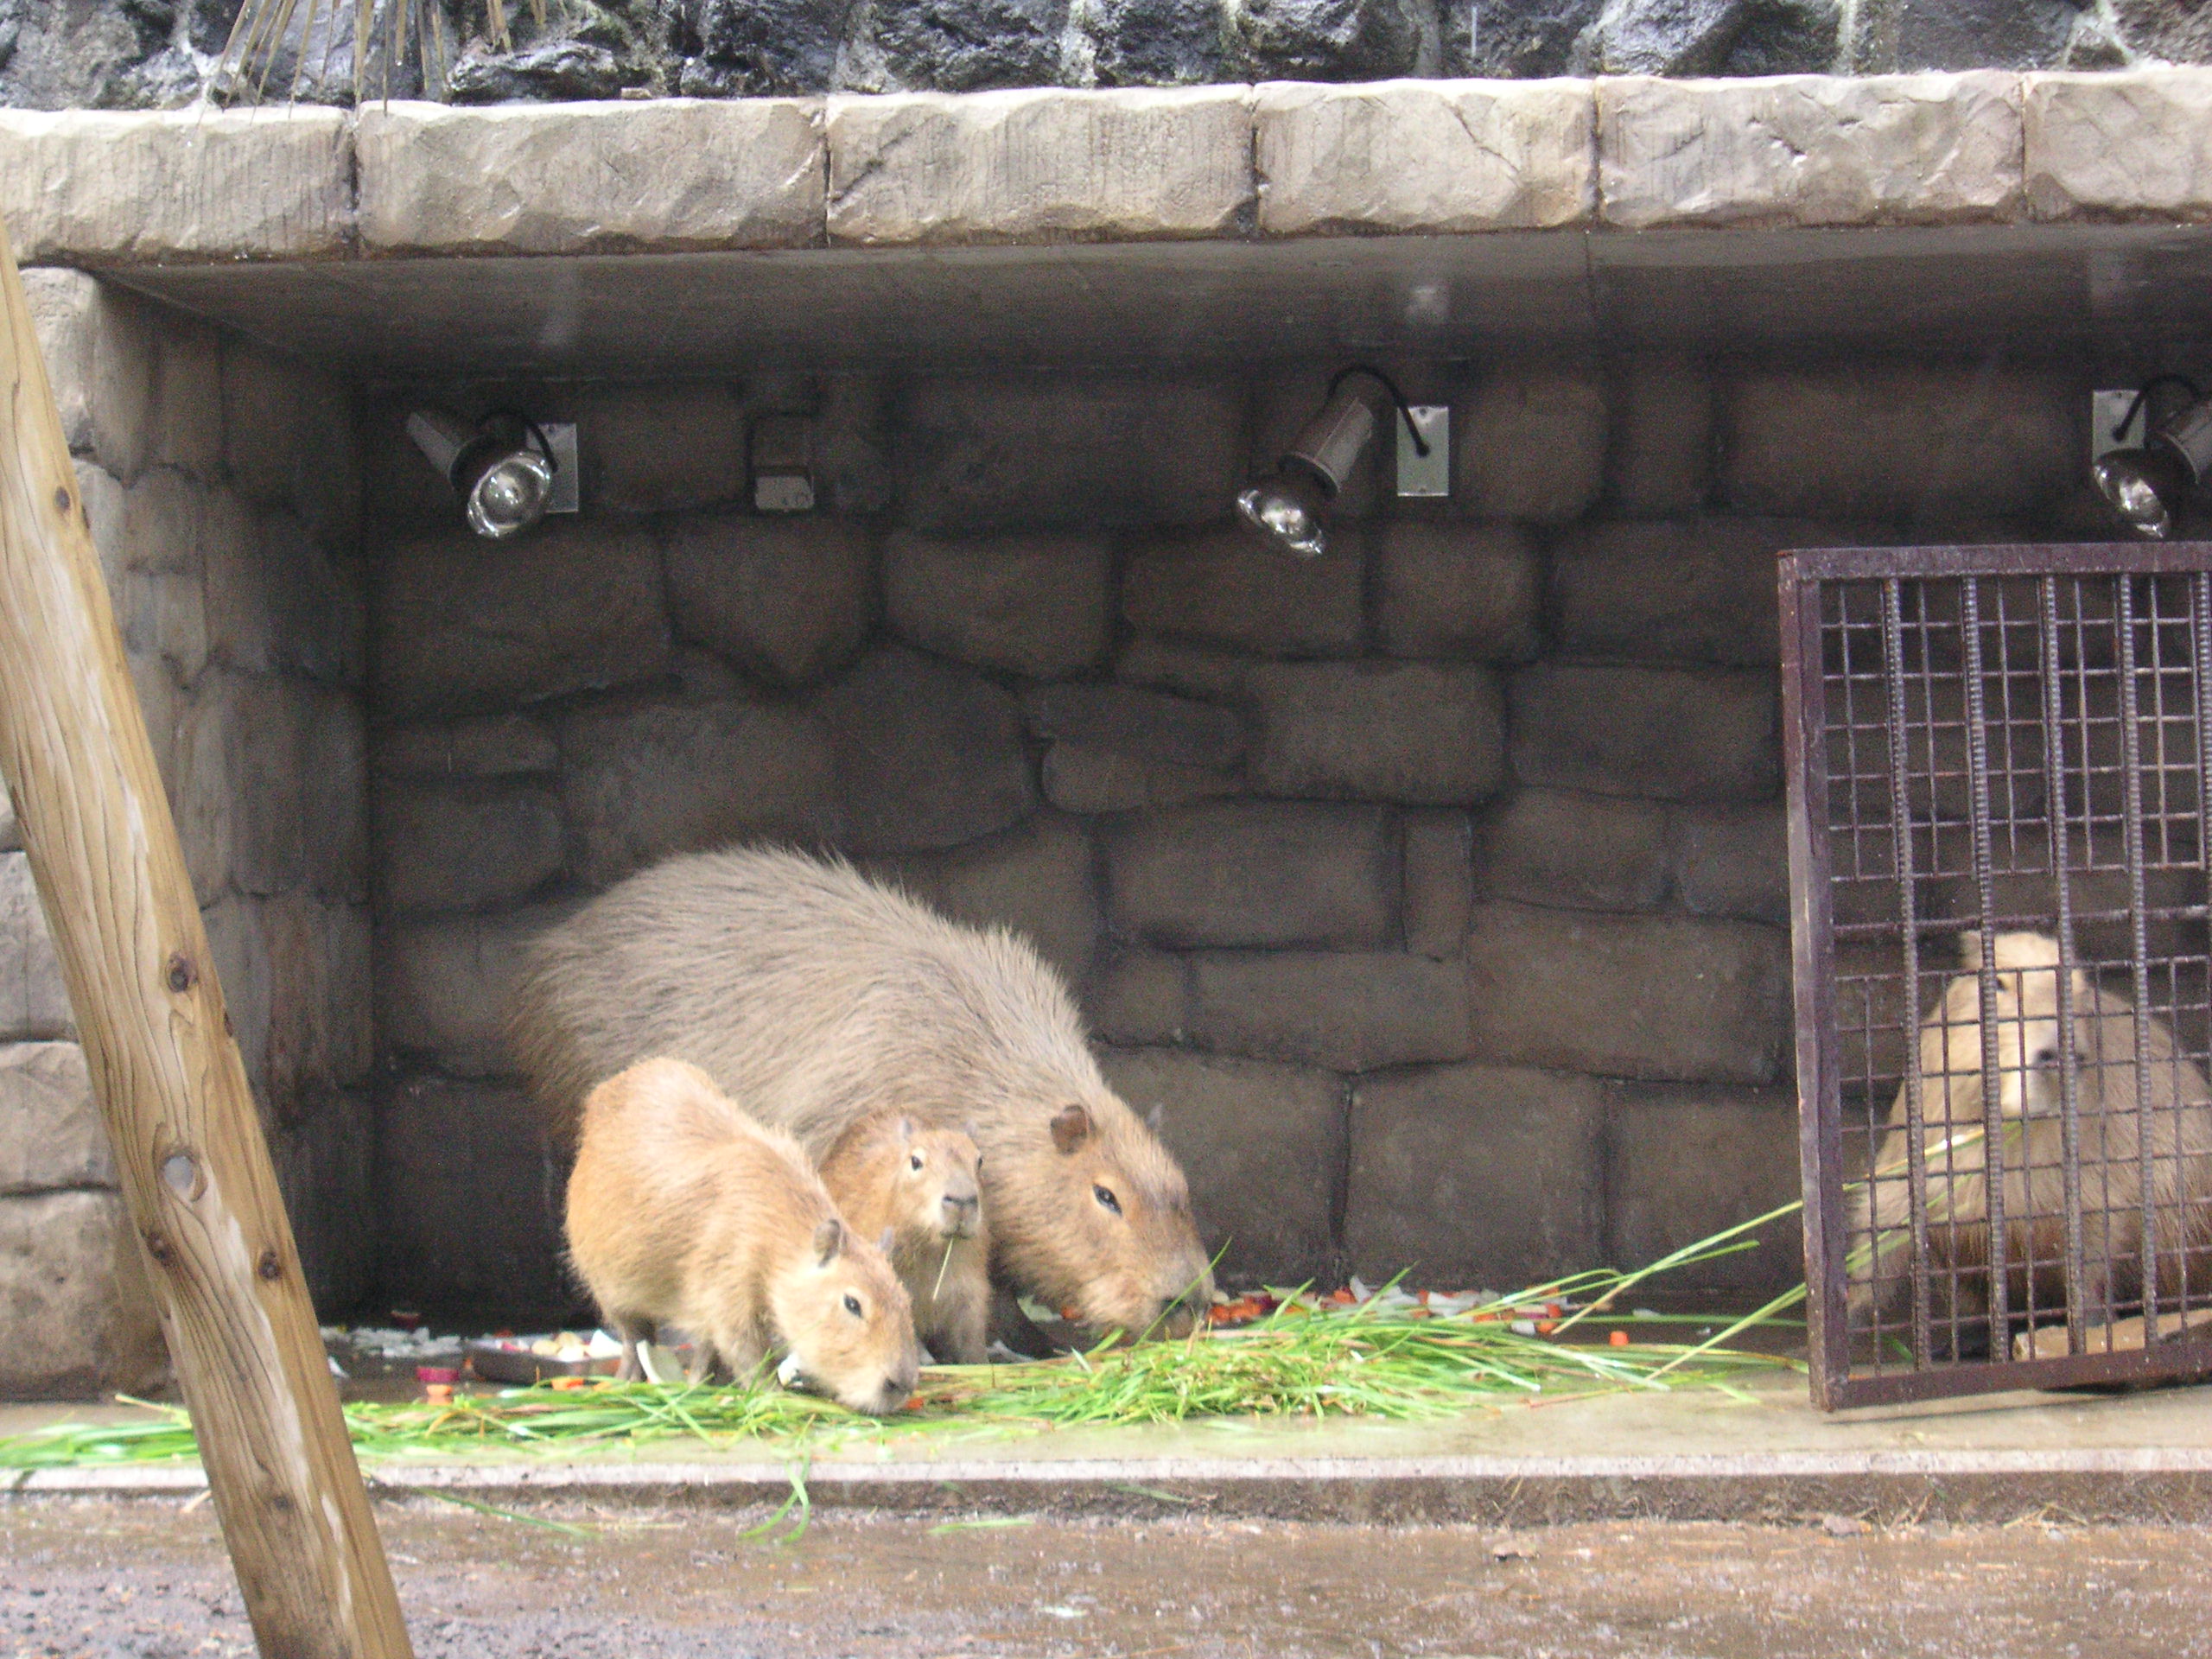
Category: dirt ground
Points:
column 145, row 1580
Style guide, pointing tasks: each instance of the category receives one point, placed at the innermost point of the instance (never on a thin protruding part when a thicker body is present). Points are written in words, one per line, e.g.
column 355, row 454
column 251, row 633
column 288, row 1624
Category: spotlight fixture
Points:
column 2148, row 487
column 1287, row 509
column 505, row 484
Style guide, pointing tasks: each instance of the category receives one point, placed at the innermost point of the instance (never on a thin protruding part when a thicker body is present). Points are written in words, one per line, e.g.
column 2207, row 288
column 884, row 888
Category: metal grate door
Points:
column 1999, row 759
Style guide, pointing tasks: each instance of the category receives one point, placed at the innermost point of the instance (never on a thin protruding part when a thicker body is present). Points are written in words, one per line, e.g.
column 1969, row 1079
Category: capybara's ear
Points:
column 889, row 1241
column 1070, row 1126
column 828, row 1241
column 1970, row 951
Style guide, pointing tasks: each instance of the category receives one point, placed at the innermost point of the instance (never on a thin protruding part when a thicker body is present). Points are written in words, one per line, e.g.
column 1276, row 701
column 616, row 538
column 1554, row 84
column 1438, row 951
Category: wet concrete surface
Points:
column 147, row 1579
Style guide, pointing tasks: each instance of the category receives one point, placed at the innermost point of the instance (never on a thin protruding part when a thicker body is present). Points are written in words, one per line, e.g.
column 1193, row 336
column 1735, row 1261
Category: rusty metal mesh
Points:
column 1999, row 762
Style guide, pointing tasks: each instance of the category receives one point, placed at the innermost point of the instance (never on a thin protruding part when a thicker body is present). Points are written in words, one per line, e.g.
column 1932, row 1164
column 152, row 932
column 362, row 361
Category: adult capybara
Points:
column 919, row 1187
column 818, row 997
column 2030, row 1076
column 683, row 1211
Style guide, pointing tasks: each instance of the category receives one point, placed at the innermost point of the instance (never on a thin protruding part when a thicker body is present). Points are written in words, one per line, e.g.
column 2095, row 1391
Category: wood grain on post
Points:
column 195, row 1172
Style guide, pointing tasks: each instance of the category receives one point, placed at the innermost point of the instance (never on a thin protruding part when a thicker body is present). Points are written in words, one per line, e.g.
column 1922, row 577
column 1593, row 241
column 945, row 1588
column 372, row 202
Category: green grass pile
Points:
column 1383, row 1358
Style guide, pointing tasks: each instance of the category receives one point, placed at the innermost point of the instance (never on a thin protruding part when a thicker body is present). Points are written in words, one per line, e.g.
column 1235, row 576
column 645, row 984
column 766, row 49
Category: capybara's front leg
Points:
column 961, row 1335
column 742, row 1353
column 633, row 1332
column 1014, row 1328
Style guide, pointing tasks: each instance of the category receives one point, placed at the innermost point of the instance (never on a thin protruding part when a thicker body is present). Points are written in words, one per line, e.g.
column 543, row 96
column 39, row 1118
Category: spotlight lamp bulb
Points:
column 2148, row 487
column 502, row 469
column 1288, row 509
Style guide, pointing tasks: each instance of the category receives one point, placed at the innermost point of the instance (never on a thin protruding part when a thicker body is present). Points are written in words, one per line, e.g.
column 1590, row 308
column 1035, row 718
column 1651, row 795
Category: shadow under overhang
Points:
column 2031, row 291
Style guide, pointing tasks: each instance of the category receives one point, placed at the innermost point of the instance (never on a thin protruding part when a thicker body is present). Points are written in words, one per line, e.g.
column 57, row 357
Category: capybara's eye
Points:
column 1105, row 1196
column 913, row 1160
column 852, row 1305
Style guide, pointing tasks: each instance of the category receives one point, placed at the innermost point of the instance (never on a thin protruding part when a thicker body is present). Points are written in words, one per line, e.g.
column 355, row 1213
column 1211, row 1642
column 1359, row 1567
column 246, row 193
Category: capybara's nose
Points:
column 1180, row 1312
column 1193, row 1292
column 961, row 1214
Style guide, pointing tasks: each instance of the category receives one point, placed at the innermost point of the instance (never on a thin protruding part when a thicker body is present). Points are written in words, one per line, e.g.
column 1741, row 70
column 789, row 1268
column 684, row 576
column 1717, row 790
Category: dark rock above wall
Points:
column 157, row 54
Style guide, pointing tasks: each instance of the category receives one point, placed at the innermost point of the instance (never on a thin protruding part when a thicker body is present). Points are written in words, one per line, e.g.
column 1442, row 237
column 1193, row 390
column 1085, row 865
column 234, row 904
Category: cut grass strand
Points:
column 498, row 1514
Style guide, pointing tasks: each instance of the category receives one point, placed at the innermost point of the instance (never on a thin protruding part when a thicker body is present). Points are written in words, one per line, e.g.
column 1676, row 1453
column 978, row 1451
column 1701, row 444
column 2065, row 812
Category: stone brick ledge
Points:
column 1046, row 166
column 1804, row 151
column 189, row 185
column 670, row 176
column 1133, row 165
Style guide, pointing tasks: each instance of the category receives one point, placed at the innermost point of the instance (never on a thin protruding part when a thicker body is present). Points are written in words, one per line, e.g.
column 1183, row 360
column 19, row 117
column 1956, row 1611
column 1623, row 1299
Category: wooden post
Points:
column 195, row 1171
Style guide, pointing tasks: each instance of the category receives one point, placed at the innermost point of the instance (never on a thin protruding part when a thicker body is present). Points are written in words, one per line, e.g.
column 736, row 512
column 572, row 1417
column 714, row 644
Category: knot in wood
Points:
column 157, row 1246
column 182, row 976
column 61, row 496
column 269, row 1267
column 183, row 1174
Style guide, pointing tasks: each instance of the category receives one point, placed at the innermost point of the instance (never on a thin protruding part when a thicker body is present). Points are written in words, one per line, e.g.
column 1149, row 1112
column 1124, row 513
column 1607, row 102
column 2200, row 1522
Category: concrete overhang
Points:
column 2031, row 213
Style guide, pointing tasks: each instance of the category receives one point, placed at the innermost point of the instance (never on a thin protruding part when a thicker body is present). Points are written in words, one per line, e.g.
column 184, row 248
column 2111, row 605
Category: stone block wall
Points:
column 224, row 496
column 1430, row 897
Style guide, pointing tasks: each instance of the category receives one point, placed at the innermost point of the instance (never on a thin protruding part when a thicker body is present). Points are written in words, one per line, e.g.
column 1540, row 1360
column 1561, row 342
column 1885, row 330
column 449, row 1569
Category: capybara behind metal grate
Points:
column 1999, row 759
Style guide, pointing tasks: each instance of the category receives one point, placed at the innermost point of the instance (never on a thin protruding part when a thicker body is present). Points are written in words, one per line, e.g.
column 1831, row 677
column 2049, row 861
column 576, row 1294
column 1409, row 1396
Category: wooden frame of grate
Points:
column 2039, row 718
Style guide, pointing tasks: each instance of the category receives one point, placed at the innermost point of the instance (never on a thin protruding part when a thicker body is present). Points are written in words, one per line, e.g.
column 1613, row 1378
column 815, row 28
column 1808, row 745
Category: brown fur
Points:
column 920, row 1189
column 683, row 1211
column 2029, row 1080
column 818, row 997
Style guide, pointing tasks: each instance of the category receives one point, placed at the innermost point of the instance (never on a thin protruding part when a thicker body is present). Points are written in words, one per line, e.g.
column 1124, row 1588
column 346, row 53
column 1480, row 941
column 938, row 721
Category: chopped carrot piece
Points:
column 1545, row 1327
column 1619, row 1338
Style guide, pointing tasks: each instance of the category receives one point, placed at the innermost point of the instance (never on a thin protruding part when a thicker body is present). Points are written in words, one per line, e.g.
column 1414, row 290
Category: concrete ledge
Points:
column 1810, row 151
column 1044, row 167
column 677, row 175
column 980, row 168
column 1689, row 1453
column 1425, row 156
column 2172, row 1486
column 2121, row 147
column 189, row 186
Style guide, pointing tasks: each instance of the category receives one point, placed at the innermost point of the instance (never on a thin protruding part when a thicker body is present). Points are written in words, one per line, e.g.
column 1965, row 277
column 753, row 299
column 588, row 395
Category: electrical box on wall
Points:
column 780, row 449
column 1429, row 475
column 567, row 494
column 2106, row 410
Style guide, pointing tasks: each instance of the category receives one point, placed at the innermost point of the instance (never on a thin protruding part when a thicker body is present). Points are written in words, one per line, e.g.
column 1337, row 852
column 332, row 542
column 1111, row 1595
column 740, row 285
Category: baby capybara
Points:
column 683, row 1211
column 2030, row 1079
column 818, row 997
column 919, row 1186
